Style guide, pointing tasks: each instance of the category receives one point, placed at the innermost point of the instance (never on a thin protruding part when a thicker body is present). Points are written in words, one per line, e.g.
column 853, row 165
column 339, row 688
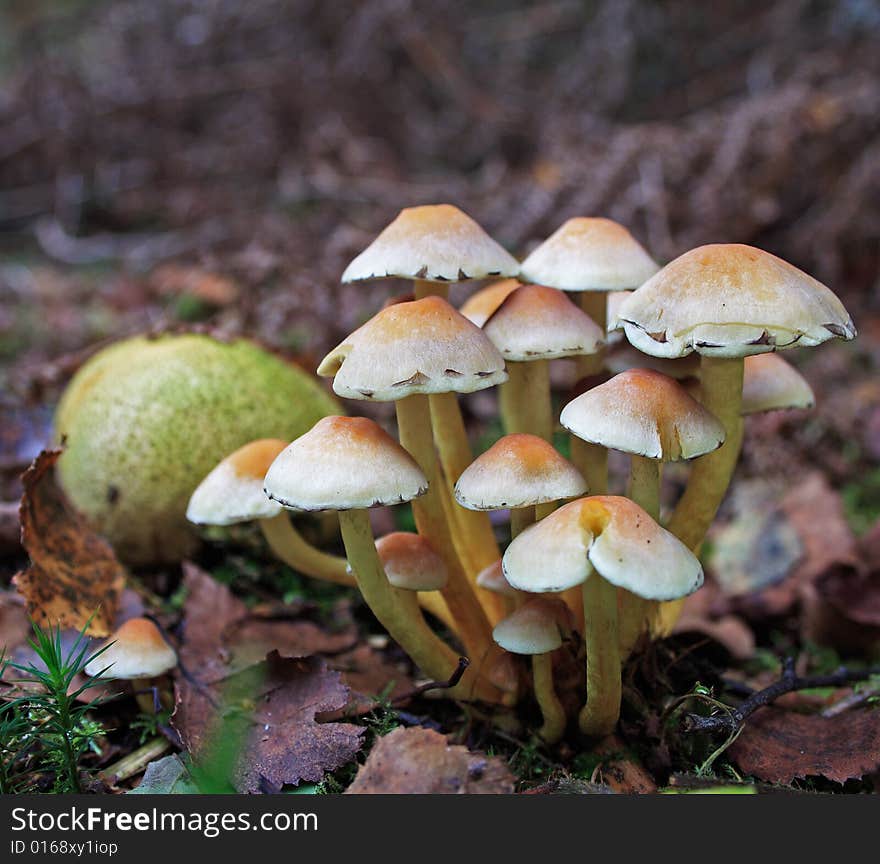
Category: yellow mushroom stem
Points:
column 553, row 727
column 721, row 380
column 599, row 716
column 590, row 459
column 520, row 519
column 524, row 399
column 636, row 613
column 414, row 428
column 295, row 551
column 473, row 530
column 400, row 615
column 148, row 690
column 424, row 288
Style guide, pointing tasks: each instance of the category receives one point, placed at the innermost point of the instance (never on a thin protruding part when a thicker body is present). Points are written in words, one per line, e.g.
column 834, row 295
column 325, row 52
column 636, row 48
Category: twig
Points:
column 788, row 683
column 135, row 762
column 454, row 678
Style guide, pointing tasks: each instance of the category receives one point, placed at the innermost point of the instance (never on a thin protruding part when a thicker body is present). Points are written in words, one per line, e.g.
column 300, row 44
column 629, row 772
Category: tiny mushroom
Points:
column 602, row 543
column 350, row 464
column 534, row 325
column 479, row 307
column 137, row 652
column 517, row 473
column 233, row 493
column 537, row 629
column 771, row 383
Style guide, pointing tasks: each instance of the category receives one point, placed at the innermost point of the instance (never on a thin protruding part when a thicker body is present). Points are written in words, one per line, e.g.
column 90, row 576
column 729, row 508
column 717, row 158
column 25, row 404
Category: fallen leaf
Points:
column 418, row 761
column 74, row 575
column 368, row 675
column 249, row 640
column 621, row 772
column 273, row 708
column 779, row 746
column 698, row 615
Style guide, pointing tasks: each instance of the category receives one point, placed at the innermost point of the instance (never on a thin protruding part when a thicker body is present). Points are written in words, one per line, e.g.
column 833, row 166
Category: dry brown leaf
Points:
column 779, row 746
column 367, row 673
column 699, row 615
column 74, row 575
column 276, row 705
column 620, row 771
column 421, row 762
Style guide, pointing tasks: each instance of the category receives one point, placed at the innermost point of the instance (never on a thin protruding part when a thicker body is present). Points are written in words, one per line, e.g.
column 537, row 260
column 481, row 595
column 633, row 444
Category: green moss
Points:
column 146, row 419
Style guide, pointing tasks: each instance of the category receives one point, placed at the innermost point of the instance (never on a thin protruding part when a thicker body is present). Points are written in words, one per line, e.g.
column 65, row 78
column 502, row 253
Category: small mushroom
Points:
column 602, row 543
column 137, row 652
column 517, row 473
column 350, row 464
column 481, row 304
column 233, row 493
column 536, row 629
column 771, row 383
column 533, row 326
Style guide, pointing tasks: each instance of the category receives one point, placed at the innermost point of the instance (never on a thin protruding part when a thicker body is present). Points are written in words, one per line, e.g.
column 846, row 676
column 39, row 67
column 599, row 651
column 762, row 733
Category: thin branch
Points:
column 788, row 683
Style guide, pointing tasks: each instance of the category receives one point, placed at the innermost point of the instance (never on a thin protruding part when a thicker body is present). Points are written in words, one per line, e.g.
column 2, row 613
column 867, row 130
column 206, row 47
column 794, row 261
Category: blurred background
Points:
column 217, row 163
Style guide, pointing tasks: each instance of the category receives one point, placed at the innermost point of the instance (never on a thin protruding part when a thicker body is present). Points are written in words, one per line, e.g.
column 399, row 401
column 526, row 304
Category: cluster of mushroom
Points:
column 592, row 568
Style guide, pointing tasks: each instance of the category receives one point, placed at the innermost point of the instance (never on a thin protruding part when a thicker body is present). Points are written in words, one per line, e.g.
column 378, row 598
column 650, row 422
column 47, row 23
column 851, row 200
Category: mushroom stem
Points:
column 423, row 288
column 595, row 304
column 474, row 528
column 592, row 461
column 544, row 510
column 525, row 401
column 146, row 691
column 399, row 615
column 552, row 711
column 414, row 428
column 721, row 380
column 295, row 551
column 599, row 716
column 636, row 613
column 520, row 519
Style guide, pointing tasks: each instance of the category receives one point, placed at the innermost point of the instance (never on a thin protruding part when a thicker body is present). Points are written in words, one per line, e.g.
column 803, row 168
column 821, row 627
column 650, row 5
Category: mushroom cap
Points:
column 535, row 628
column 647, row 413
column 492, row 579
column 136, row 650
column 434, row 242
column 424, row 346
column 481, row 304
column 730, row 300
column 411, row 562
column 344, row 463
column 535, row 322
column 589, row 254
column 233, row 491
column 518, row 470
column 771, row 383
column 611, row 535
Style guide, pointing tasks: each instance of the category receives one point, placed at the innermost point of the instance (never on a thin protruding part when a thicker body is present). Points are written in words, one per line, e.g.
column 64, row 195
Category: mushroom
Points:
column 492, row 579
column 726, row 302
column 479, row 307
column 432, row 243
column 532, row 326
column 137, row 652
column 350, row 464
column 403, row 354
column 517, row 473
column 537, row 629
column 590, row 256
column 653, row 418
column 602, row 543
column 771, row 383
column 233, row 493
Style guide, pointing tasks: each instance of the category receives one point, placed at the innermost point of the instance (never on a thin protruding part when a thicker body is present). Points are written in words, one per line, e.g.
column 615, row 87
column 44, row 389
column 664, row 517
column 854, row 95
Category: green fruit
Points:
column 144, row 420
